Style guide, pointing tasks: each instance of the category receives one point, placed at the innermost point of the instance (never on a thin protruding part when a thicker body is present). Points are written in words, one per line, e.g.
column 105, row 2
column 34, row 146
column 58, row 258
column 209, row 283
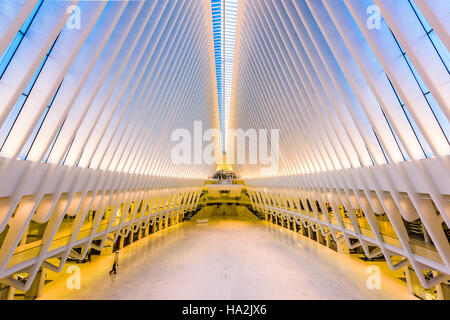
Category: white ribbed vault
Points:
column 362, row 107
column 91, row 91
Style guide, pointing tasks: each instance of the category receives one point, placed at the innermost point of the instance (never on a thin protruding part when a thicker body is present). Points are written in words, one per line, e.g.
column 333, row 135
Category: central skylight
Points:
column 224, row 13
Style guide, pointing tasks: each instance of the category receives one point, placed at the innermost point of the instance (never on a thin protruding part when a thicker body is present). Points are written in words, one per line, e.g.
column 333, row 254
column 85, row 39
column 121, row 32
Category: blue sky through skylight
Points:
column 224, row 14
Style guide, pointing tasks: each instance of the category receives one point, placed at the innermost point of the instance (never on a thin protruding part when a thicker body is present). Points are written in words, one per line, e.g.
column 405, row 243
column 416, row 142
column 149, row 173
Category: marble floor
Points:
column 232, row 255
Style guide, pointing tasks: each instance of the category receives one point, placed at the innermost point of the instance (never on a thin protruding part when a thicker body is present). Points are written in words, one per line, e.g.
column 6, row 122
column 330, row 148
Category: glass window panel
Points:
column 53, row 143
column 34, row 77
column 438, row 46
column 30, row 18
column 26, row 148
column 388, row 160
column 8, row 124
column 12, row 48
column 440, row 117
column 31, row 139
column 425, row 147
column 417, row 76
column 397, row 140
column 441, row 50
column 39, row 69
column 421, row 17
column 9, row 53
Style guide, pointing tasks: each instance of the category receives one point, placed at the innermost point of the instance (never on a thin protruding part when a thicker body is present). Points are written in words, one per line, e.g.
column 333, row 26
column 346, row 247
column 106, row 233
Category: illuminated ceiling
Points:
column 224, row 14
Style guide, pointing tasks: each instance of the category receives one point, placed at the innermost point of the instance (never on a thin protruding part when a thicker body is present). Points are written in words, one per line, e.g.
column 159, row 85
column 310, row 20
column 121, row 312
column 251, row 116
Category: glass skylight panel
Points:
column 224, row 14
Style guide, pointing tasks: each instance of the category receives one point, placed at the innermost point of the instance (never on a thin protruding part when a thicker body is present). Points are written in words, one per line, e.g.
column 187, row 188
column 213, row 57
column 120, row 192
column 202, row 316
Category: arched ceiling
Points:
column 349, row 84
column 102, row 85
column 91, row 93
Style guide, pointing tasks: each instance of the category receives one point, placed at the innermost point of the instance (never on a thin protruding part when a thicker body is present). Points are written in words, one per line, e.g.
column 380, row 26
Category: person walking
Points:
column 116, row 263
column 114, row 268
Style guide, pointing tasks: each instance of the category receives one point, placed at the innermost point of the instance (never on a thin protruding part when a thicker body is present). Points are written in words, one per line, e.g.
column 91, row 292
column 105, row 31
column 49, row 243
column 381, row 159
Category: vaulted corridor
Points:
column 236, row 256
column 321, row 126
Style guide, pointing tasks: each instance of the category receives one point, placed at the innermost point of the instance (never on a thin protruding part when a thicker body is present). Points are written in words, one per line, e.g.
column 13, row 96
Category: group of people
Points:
column 222, row 175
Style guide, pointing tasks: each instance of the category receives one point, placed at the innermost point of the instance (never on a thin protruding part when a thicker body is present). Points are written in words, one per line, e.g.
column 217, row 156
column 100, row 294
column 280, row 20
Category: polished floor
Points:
column 228, row 254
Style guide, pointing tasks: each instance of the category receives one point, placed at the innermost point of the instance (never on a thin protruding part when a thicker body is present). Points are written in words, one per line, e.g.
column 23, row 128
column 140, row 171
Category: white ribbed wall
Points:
column 86, row 118
column 314, row 70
